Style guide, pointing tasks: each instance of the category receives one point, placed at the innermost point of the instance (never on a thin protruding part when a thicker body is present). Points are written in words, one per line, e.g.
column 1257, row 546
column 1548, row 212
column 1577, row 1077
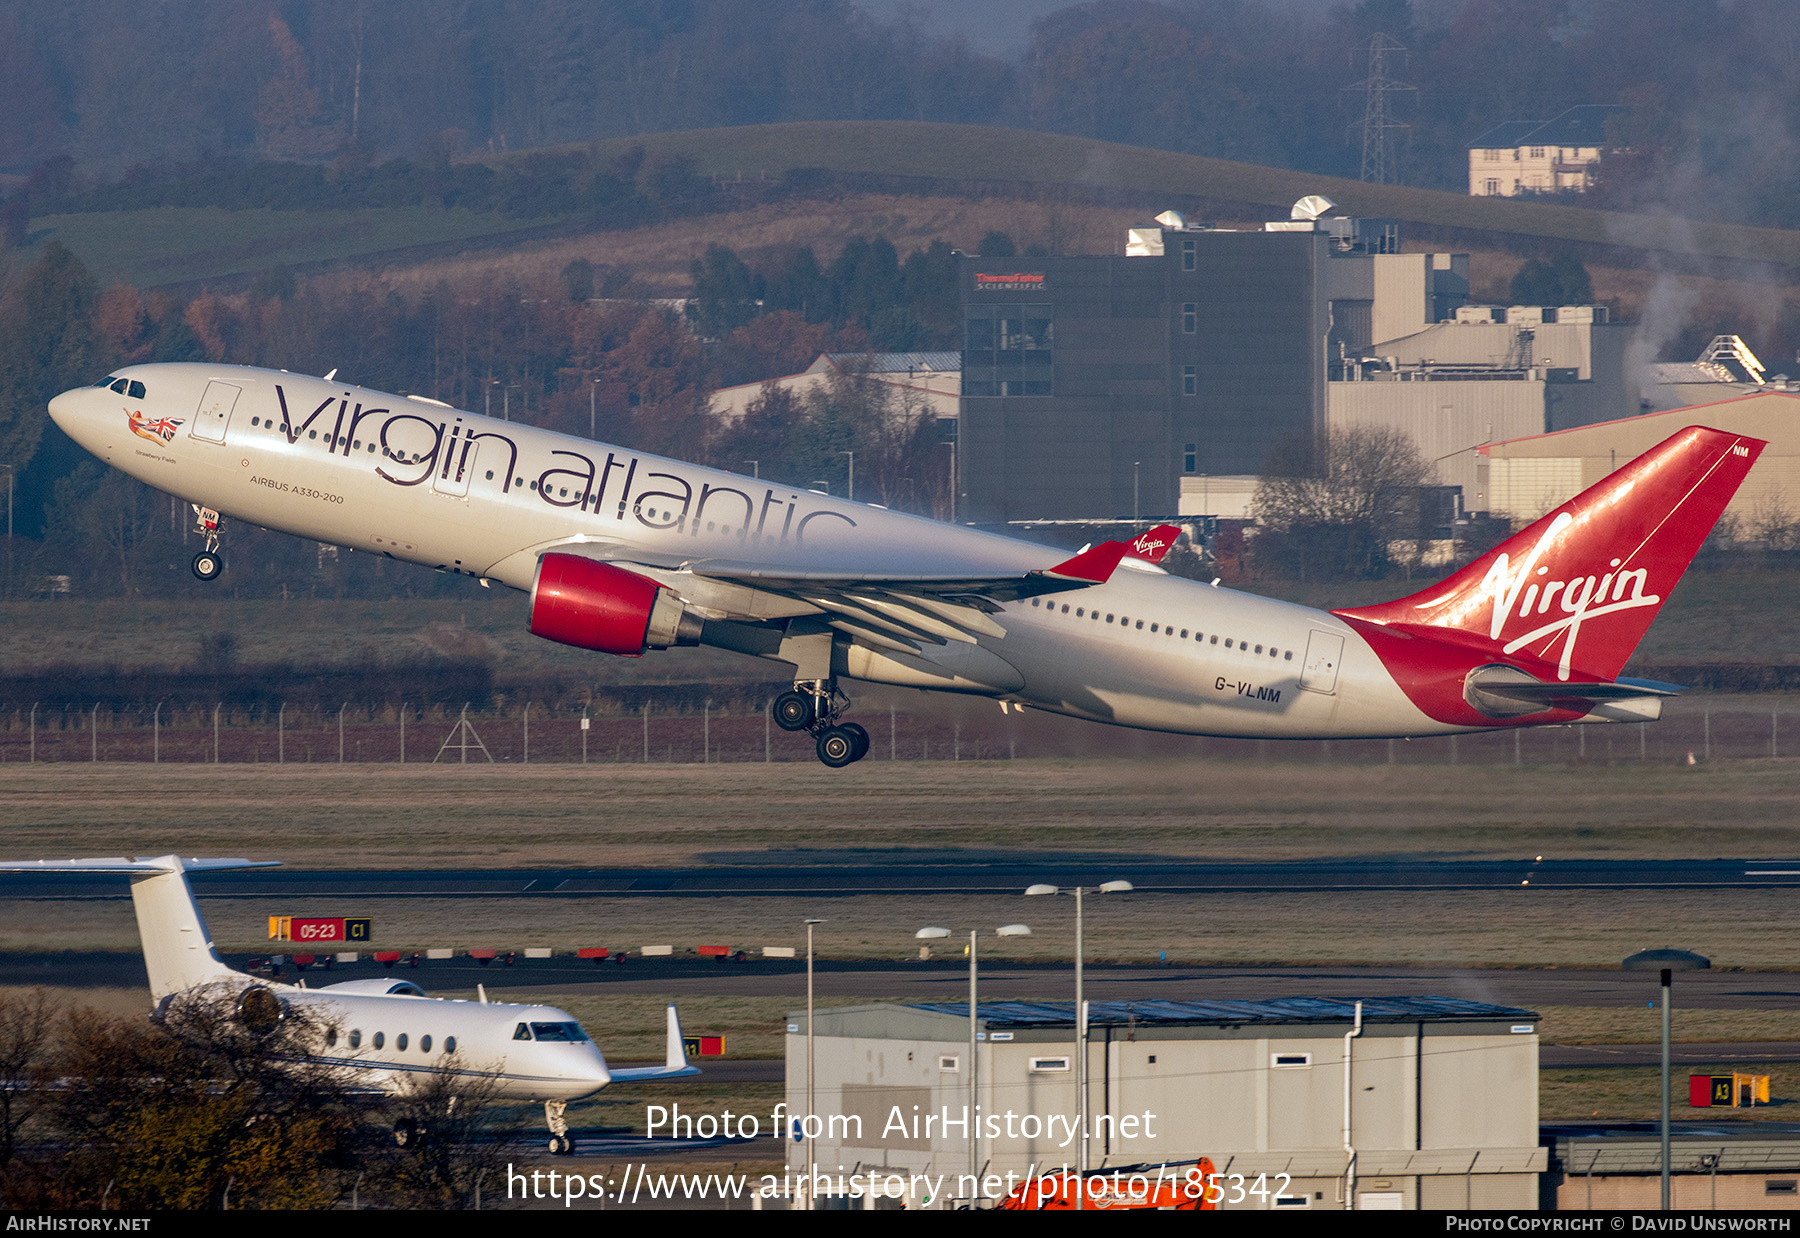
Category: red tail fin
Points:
column 1577, row 589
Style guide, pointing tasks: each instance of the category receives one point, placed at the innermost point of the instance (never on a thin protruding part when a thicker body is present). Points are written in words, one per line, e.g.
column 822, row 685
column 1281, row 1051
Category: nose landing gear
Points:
column 209, row 562
column 816, row 706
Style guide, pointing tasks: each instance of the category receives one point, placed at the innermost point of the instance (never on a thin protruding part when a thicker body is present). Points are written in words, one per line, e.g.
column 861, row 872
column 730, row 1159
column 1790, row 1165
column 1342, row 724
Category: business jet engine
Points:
column 594, row 605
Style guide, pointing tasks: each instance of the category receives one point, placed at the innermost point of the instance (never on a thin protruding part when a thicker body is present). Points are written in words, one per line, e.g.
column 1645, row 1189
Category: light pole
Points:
column 1081, row 1062
column 934, row 933
column 1134, row 488
column 951, row 448
column 850, row 489
column 806, row 1122
column 1666, row 962
column 754, row 466
column 593, row 390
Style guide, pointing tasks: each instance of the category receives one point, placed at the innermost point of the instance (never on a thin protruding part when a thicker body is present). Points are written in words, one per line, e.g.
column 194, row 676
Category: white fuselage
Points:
column 419, row 481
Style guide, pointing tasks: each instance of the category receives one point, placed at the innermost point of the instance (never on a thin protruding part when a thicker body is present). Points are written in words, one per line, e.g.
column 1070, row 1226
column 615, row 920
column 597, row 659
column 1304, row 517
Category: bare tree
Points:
column 1331, row 509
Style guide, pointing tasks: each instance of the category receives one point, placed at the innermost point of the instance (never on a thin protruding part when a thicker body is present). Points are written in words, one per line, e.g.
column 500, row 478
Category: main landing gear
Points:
column 209, row 562
column 815, row 706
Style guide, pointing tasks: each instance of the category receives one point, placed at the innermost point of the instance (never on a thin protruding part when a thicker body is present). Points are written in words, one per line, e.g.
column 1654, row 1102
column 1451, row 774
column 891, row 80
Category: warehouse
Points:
column 1526, row 477
column 1393, row 1102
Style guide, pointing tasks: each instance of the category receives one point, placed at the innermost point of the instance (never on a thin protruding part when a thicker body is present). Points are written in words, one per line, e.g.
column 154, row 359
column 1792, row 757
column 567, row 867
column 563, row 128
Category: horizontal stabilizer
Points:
column 1498, row 691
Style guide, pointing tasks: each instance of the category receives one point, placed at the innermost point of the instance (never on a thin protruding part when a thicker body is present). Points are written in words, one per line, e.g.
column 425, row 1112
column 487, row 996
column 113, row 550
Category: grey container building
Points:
column 1442, row 1107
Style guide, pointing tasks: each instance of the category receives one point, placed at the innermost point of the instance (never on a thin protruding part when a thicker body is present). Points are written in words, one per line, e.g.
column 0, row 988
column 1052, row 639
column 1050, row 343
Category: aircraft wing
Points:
column 675, row 1062
column 905, row 611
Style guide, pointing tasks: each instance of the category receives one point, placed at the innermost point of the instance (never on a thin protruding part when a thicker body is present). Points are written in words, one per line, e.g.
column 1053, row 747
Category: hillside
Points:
column 803, row 166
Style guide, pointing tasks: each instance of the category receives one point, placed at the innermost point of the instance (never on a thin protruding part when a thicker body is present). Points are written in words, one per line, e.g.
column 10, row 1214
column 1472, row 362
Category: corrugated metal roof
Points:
column 898, row 362
column 1231, row 1013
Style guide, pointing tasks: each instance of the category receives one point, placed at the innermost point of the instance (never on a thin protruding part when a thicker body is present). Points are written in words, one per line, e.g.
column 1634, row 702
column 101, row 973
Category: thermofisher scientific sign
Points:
column 1011, row 281
column 312, row 928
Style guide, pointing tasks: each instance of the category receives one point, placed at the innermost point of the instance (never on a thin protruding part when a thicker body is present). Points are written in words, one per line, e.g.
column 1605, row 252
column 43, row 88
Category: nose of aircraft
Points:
column 65, row 408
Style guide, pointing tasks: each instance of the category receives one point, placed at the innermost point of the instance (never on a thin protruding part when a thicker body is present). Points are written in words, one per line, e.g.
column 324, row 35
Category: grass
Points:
column 986, row 154
column 373, row 816
column 1629, row 1093
column 167, row 245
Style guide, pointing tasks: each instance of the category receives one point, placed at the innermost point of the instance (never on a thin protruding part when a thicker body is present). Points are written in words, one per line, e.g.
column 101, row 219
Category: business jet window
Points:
column 400, row 1041
column 356, row 1038
column 558, row 1031
column 379, row 1040
column 331, row 1038
column 521, row 1032
column 424, row 1044
column 449, row 1044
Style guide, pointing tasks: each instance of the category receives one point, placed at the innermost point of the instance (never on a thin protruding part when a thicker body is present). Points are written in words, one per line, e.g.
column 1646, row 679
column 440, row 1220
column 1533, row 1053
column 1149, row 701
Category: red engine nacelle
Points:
column 594, row 605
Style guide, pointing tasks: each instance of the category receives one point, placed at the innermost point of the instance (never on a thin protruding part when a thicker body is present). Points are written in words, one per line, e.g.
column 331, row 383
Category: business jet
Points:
column 384, row 1033
column 622, row 552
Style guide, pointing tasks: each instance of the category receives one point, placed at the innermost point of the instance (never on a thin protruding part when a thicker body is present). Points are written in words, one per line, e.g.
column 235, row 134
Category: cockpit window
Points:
column 521, row 1032
column 105, row 382
column 119, row 386
column 558, row 1031
column 137, row 390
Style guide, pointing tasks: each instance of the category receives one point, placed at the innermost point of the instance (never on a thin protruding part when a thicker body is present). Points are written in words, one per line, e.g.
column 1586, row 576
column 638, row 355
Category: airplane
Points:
column 623, row 552
column 385, row 1033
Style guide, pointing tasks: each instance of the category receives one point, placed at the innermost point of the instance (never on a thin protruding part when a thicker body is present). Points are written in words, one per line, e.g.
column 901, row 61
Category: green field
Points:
column 182, row 244
column 170, row 245
column 974, row 153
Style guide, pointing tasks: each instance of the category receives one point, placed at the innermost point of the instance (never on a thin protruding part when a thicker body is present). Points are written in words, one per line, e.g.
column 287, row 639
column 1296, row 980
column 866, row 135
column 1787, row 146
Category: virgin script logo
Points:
column 1526, row 594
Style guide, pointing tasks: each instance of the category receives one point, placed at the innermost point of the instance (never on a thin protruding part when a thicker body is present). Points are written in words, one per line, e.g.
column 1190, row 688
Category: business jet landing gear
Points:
column 208, row 563
column 815, row 706
column 560, row 1142
column 408, row 1133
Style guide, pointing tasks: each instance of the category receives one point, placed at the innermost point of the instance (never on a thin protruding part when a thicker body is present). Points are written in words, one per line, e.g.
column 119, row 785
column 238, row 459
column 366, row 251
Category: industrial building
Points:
column 1403, row 1102
column 1712, row 1165
column 1528, row 476
column 1158, row 382
column 929, row 383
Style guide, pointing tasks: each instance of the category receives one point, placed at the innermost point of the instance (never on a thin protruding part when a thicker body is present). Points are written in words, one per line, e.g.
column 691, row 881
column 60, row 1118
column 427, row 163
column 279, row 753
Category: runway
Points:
column 830, row 874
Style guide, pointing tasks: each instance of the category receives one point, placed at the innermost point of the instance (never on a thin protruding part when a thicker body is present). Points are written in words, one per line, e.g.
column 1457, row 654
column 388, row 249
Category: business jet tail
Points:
column 675, row 1063
column 178, row 950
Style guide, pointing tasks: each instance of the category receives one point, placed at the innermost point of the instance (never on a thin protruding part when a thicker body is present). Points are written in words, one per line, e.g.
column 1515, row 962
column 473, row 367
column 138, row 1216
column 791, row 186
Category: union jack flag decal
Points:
column 162, row 430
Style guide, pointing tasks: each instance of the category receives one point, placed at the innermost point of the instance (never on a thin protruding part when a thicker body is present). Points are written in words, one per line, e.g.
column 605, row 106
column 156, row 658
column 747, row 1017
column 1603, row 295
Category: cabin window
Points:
column 1034, row 601
column 1109, row 618
column 1153, row 627
column 256, row 421
column 490, row 475
column 1259, row 649
column 1065, row 609
column 356, row 1038
column 379, row 1040
column 1140, row 625
column 449, row 1044
column 400, row 1042
column 1079, row 612
column 1272, row 651
column 1227, row 642
column 521, row 1032
column 331, row 1038
column 312, row 434
column 424, row 1044
column 1288, row 656
column 1184, row 634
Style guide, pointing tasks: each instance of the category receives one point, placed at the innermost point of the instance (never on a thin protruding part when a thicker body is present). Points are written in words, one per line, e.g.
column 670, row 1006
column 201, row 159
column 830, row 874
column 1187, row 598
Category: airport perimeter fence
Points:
column 1692, row 731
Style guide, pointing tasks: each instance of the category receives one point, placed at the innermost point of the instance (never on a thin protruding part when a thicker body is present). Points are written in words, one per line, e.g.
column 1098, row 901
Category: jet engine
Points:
column 594, row 605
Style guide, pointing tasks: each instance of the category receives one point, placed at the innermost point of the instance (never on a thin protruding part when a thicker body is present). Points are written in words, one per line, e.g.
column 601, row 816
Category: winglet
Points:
column 1152, row 546
column 1096, row 565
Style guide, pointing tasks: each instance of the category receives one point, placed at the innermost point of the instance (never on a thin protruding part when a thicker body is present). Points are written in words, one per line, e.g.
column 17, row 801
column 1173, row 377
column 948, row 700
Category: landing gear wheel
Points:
column 561, row 1145
column 860, row 737
column 406, row 1133
column 837, row 746
column 793, row 711
column 208, row 565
